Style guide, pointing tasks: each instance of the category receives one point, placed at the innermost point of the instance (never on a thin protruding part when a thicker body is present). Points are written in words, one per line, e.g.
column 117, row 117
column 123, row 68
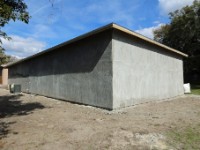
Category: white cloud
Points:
column 43, row 31
column 22, row 47
column 156, row 22
column 102, row 12
column 148, row 32
column 114, row 11
column 167, row 6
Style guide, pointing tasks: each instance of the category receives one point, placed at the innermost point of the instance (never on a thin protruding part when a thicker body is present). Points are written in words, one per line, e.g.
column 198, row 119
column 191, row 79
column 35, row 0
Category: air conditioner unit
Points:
column 15, row 88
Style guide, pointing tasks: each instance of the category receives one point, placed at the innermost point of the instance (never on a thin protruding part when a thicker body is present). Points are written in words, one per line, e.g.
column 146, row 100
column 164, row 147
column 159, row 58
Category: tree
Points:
column 183, row 33
column 11, row 10
column 4, row 59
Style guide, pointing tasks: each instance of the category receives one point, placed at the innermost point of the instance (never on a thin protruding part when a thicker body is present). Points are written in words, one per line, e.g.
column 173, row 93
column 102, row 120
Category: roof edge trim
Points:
column 147, row 39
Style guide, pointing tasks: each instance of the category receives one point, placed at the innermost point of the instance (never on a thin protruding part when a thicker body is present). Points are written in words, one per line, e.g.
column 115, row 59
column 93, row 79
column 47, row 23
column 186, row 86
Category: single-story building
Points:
column 110, row 67
column 1, row 69
column 4, row 75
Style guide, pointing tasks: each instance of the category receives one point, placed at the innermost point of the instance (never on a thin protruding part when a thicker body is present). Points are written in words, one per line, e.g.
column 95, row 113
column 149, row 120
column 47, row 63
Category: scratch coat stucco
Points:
column 109, row 69
column 142, row 72
column 80, row 72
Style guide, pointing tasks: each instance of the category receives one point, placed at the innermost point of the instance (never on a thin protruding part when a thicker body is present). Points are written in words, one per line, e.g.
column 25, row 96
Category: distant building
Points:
column 110, row 67
column 4, row 75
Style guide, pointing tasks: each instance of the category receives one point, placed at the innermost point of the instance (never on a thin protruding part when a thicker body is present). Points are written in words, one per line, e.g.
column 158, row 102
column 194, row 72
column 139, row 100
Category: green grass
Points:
column 187, row 138
column 195, row 89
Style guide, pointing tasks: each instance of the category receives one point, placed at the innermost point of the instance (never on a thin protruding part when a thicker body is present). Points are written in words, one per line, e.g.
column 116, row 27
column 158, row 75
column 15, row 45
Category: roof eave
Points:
column 106, row 27
column 148, row 40
column 109, row 26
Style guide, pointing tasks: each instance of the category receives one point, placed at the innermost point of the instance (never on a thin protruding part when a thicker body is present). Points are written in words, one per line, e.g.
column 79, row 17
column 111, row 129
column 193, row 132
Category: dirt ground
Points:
column 30, row 122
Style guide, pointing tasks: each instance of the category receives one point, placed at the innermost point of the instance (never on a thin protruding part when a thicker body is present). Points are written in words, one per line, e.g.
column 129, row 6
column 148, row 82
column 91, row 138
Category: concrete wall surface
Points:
column 80, row 72
column 110, row 69
column 143, row 72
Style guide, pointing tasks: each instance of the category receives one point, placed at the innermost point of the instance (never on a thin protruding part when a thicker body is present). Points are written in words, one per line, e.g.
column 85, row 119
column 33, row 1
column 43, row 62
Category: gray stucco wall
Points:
column 110, row 69
column 80, row 72
column 143, row 72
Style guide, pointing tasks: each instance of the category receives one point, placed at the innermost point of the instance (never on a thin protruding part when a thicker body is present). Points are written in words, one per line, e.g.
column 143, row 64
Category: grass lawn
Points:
column 187, row 138
column 195, row 89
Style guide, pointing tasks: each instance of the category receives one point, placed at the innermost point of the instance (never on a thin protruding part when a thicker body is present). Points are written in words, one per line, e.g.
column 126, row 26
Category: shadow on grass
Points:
column 195, row 86
column 11, row 105
column 4, row 128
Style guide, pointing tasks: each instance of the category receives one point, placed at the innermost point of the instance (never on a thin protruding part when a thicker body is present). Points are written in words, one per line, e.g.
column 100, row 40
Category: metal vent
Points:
column 15, row 88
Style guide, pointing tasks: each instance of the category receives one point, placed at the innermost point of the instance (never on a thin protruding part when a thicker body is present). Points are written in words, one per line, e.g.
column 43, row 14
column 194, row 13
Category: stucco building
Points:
column 110, row 67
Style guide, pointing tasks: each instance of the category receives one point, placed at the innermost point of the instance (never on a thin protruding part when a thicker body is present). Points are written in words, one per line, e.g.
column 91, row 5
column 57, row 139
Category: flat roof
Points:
column 98, row 30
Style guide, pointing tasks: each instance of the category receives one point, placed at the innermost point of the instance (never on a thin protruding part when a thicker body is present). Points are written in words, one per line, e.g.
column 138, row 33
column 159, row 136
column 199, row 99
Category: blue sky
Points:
column 56, row 21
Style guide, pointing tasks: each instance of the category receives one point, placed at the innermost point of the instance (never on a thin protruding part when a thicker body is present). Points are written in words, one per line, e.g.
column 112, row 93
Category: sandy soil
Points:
column 36, row 122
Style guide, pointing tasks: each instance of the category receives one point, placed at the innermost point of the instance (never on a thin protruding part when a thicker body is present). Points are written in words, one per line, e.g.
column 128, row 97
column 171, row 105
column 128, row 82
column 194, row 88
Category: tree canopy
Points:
column 11, row 10
column 183, row 33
